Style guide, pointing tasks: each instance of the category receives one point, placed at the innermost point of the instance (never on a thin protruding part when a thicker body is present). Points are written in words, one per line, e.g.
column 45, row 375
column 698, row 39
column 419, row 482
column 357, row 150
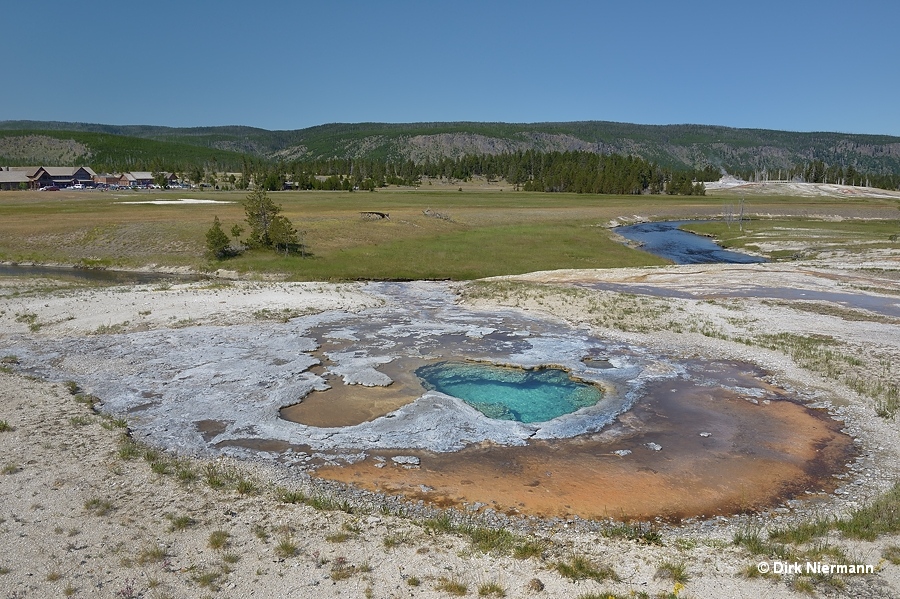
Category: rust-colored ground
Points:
column 348, row 405
column 756, row 455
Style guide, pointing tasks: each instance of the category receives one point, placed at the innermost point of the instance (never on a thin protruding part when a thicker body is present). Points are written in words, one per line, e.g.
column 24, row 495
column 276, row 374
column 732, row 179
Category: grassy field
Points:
column 803, row 237
column 487, row 232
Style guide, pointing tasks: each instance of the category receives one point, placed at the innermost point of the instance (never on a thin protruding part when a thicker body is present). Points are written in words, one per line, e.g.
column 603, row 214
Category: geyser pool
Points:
column 507, row 393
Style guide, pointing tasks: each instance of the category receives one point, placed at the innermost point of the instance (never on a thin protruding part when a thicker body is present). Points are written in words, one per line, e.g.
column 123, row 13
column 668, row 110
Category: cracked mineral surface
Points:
column 166, row 381
column 220, row 382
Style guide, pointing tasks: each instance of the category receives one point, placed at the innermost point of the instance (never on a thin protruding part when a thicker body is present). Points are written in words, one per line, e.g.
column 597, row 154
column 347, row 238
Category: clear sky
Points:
column 797, row 65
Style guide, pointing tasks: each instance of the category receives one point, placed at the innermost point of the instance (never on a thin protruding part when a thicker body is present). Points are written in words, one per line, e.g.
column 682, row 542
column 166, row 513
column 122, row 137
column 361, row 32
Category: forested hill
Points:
column 670, row 146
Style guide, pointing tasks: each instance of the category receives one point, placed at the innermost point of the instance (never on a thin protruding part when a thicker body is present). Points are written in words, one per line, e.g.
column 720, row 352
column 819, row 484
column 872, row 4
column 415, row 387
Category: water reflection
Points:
column 666, row 240
column 95, row 275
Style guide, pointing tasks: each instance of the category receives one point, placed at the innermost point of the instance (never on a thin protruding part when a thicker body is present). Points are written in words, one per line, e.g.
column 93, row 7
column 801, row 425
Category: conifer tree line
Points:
column 574, row 171
column 531, row 170
column 818, row 171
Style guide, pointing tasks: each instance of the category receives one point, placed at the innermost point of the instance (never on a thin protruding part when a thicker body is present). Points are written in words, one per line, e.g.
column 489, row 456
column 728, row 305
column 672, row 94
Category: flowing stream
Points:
column 666, row 240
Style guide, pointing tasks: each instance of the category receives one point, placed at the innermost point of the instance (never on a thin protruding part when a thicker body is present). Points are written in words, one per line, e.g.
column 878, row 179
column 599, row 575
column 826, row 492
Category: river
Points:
column 666, row 240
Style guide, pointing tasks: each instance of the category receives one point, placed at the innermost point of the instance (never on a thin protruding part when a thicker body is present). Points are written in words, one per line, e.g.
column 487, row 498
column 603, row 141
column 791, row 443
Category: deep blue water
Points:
column 510, row 393
column 666, row 240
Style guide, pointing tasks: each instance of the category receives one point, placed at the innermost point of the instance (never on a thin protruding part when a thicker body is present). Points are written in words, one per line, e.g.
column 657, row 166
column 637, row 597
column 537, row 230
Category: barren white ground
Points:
column 59, row 461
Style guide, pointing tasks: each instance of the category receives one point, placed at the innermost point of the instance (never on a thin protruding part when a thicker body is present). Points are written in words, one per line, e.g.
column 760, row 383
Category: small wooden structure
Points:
column 433, row 214
column 372, row 215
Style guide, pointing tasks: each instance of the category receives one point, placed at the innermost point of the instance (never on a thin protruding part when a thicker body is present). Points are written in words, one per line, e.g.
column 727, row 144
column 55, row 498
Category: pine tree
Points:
column 217, row 242
column 268, row 228
column 260, row 211
column 283, row 235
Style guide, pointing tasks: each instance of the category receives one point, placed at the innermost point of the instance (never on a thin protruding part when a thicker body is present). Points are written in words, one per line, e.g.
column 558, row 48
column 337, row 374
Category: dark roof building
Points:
column 11, row 179
column 62, row 176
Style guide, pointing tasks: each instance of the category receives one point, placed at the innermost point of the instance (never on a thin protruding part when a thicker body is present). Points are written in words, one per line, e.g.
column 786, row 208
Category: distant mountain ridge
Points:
column 673, row 146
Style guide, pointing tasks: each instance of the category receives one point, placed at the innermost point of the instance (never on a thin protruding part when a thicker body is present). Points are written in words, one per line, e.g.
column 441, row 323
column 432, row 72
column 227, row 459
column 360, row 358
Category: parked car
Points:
column 49, row 188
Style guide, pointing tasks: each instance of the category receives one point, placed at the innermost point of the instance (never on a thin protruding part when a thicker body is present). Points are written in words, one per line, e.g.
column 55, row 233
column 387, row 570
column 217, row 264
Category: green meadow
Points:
column 803, row 237
column 479, row 234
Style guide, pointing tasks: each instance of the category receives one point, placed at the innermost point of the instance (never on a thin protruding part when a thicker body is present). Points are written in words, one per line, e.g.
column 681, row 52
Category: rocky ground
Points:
column 84, row 511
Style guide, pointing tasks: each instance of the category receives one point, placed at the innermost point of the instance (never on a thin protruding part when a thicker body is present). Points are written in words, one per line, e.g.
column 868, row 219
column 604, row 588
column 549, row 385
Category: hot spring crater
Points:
column 432, row 400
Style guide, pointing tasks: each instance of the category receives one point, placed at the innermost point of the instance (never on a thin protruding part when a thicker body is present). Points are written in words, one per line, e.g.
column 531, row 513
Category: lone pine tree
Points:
column 268, row 228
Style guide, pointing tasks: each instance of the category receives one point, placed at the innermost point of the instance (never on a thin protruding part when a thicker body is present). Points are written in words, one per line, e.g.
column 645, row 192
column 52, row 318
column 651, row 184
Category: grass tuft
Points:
column 208, row 579
column 219, row 539
column 634, row 531
column 341, row 569
column 180, row 522
column 98, row 507
column 674, row 571
column 490, row 540
column 581, row 568
column 129, row 449
column 752, row 540
column 880, row 517
column 286, row 547
column 452, row 586
column 491, row 589
column 395, row 540
column 152, row 554
column 803, row 532
column 290, row 495
column 439, row 524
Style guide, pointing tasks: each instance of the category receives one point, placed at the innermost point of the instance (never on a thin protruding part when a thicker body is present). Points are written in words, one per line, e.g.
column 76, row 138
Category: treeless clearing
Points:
column 488, row 232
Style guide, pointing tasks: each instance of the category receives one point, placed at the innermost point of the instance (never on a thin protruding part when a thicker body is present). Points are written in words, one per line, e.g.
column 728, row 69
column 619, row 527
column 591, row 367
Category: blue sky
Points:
column 792, row 65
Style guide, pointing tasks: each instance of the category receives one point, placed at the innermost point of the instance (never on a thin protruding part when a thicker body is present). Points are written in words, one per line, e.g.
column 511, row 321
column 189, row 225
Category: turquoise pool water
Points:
column 510, row 393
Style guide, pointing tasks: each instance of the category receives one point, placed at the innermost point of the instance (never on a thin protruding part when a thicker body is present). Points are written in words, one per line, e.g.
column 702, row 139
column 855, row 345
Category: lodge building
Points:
column 37, row 177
